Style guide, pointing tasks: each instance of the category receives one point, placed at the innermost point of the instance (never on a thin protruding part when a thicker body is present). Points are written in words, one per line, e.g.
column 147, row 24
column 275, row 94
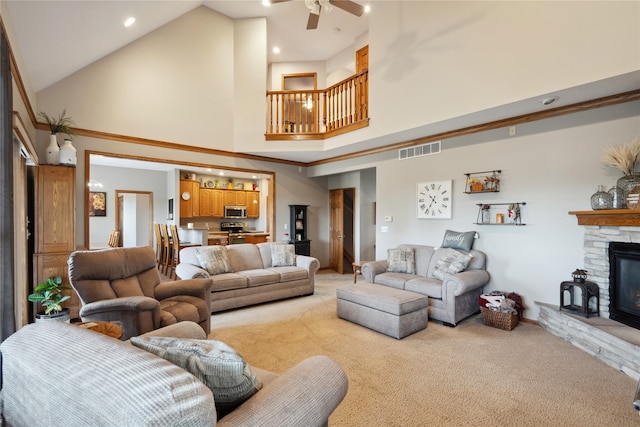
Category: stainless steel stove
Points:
column 235, row 230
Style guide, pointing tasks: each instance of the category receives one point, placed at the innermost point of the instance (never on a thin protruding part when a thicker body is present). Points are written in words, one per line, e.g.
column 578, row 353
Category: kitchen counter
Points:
column 196, row 235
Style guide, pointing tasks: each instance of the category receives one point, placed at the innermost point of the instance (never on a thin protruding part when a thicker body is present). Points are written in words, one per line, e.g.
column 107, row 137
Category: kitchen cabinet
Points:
column 206, row 202
column 211, row 203
column 217, row 204
column 255, row 238
column 189, row 198
column 55, row 227
column 253, row 204
column 235, row 198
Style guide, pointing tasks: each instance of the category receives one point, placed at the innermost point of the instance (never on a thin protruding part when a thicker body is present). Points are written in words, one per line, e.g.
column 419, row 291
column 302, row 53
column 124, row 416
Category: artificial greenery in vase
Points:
column 49, row 294
column 60, row 124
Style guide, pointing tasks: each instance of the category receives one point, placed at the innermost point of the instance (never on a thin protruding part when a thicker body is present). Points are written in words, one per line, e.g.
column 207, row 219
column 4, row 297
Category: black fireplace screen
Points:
column 624, row 283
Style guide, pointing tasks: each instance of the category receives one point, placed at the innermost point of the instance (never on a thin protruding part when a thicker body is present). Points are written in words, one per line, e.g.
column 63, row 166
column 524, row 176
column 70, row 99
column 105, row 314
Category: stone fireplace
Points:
column 615, row 343
column 599, row 231
column 624, row 283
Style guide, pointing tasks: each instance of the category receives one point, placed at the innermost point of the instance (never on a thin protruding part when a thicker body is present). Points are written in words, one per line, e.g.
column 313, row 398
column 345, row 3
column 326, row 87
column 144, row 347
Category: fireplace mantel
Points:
column 609, row 217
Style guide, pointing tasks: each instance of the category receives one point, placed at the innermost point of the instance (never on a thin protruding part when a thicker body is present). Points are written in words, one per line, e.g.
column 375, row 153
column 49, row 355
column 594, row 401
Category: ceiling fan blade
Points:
column 312, row 23
column 348, row 6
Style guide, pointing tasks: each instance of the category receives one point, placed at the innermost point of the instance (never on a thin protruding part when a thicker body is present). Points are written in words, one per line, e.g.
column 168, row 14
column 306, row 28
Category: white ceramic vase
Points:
column 67, row 155
column 53, row 157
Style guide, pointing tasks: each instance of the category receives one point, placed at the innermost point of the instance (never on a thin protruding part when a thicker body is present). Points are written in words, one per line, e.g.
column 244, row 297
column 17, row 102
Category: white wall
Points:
column 114, row 179
column 553, row 165
column 175, row 85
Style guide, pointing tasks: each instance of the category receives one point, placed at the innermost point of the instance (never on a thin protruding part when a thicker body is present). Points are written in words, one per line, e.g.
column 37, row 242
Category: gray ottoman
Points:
column 393, row 312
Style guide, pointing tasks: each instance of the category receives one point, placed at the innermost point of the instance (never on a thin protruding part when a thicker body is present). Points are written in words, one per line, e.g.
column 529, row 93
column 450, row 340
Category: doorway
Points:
column 341, row 229
column 134, row 218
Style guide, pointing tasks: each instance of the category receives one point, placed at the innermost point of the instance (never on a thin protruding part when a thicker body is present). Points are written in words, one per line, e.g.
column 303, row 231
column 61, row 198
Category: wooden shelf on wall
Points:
column 609, row 217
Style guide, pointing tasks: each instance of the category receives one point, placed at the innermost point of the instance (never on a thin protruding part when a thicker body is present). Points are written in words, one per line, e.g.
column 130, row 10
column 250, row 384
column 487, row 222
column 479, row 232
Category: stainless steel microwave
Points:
column 235, row 212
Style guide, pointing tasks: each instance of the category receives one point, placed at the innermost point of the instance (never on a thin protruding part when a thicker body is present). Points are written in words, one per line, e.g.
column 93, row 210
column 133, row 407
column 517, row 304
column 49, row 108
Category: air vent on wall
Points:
column 419, row 150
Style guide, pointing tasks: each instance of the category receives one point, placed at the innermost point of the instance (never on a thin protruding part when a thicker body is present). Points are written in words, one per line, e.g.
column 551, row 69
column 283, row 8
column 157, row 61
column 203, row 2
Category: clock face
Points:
column 434, row 199
column 186, row 195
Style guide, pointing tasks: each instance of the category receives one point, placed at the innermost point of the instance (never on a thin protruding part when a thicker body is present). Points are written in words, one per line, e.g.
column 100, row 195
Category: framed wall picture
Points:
column 97, row 203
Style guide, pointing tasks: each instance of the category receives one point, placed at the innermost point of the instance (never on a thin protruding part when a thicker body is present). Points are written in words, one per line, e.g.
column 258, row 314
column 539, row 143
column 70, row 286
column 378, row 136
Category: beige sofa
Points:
column 252, row 278
column 58, row 374
column 450, row 300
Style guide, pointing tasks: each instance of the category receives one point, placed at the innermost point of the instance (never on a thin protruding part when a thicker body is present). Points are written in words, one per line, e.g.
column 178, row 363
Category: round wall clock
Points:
column 433, row 199
column 186, row 195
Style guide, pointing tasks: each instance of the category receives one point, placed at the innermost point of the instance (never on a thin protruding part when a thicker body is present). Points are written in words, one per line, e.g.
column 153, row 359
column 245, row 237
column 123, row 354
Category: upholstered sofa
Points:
column 249, row 273
column 452, row 297
column 59, row 374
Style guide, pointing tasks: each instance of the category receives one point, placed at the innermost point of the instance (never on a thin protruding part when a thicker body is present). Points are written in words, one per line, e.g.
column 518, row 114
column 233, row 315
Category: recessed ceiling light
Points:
column 129, row 22
column 221, row 173
column 276, row 49
column 367, row 9
column 549, row 101
column 266, row 3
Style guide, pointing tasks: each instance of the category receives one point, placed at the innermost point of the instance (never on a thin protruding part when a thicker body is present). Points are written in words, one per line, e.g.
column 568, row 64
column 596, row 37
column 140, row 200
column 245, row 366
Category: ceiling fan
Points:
column 315, row 6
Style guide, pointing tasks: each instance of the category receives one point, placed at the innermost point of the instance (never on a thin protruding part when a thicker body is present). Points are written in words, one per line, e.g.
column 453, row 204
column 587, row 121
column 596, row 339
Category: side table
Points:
column 357, row 268
column 110, row 329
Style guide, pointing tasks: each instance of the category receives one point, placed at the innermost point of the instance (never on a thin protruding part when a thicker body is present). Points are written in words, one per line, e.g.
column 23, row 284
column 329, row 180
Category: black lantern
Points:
column 579, row 275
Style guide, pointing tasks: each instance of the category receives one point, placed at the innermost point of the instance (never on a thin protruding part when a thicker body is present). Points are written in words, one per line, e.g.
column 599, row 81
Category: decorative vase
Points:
column 53, row 149
column 626, row 183
column 67, row 154
column 617, row 198
column 601, row 199
column 62, row 316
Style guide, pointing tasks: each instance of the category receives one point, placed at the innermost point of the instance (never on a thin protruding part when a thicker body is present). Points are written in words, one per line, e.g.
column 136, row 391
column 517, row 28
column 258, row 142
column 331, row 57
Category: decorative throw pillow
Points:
column 214, row 259
column 217, row 365
column 282, row 255
column 451, row 262
column 401, row 261
column 458, row 240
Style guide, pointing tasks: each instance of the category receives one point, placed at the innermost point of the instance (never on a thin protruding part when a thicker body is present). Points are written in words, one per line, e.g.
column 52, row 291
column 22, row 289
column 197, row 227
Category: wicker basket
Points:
column 497, row 319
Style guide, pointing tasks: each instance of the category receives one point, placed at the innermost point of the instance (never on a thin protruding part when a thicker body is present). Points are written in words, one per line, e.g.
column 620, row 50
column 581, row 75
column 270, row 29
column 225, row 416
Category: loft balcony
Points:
column 318, row 114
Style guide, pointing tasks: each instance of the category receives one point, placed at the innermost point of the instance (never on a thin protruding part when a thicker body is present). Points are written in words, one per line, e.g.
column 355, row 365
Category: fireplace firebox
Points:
column 624, row 283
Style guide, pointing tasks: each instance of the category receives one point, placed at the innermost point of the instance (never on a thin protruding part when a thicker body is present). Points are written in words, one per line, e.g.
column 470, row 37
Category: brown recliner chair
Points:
column 124, row 285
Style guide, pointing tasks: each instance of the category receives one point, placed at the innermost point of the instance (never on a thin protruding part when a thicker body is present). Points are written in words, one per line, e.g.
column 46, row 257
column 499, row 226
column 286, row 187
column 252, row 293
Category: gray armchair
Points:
column 124, row 285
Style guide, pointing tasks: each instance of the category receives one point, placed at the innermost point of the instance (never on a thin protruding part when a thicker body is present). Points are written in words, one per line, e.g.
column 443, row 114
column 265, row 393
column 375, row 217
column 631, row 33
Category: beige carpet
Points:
column 470, row 375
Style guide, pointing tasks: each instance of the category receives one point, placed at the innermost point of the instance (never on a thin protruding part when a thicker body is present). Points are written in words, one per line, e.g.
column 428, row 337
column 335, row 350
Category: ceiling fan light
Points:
column 326, row 5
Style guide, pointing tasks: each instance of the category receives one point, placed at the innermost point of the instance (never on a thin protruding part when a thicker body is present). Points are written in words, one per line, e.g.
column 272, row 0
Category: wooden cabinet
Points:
column 55, row 227
column 211, row 203
column 253, row 204
column 217, row 204
column 235, row 198
column 206, row 202
column 298, row 226
column 189, row 198
column 255, row 238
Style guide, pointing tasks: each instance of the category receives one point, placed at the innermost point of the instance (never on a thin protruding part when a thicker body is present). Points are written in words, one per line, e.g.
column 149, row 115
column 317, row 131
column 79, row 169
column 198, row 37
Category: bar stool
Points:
column 159, row 243
column 166, row 251
column 176, row 246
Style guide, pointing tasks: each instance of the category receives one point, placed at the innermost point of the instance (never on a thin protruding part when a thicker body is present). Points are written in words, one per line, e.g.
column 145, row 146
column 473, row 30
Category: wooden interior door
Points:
column 362, row 59
column 336, row 230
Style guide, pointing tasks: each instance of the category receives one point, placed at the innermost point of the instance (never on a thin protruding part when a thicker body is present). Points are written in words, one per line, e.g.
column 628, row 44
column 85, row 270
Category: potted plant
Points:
column 49, row 294
column 60, row 124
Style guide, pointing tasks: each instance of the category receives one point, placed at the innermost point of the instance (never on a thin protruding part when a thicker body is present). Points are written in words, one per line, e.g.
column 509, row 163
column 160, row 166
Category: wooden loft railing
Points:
column 318, row 114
